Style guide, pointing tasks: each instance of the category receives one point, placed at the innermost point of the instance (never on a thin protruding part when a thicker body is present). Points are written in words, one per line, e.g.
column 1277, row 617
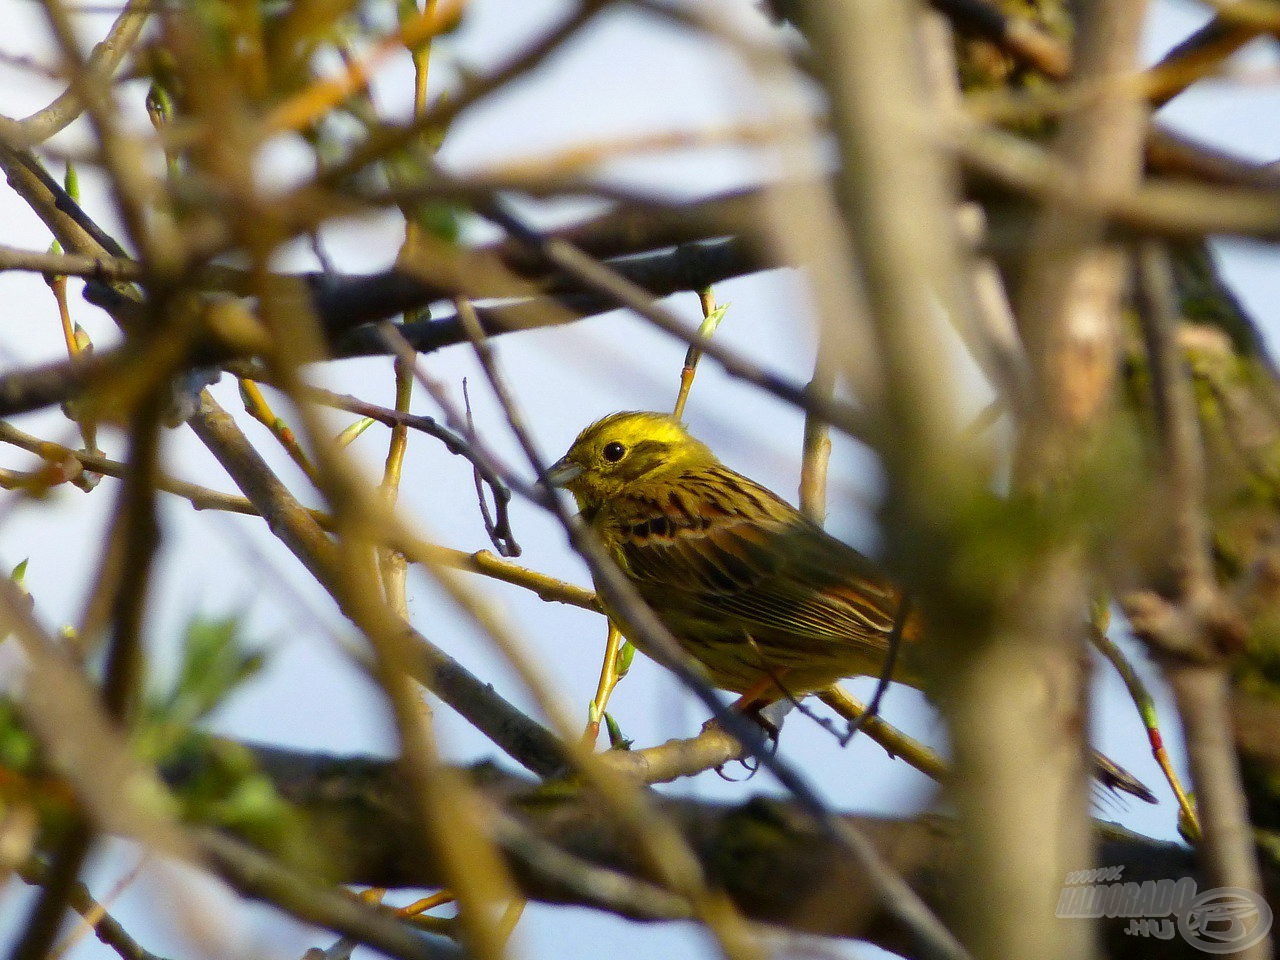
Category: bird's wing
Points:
column 755, row 562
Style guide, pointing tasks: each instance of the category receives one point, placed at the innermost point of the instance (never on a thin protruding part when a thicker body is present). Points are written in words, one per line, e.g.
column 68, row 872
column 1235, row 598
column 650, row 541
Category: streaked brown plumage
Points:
column 748, row 585
column 754, row 591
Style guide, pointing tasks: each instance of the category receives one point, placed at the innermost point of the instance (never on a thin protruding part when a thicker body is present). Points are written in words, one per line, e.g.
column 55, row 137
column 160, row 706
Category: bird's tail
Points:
column 1115, row 777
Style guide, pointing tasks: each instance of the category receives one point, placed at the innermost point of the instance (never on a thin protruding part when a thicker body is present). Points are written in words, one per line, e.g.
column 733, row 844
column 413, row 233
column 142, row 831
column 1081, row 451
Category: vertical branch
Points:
column 136, row 526
column 392, row 568
column 391, row 562
column 1067, row 308
column 1195, row 668
column 711, row 317
column 1068, row 302
column 816, row 452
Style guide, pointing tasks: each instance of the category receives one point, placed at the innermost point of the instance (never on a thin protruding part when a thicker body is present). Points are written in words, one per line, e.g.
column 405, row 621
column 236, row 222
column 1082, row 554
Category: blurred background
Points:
column 627, row 75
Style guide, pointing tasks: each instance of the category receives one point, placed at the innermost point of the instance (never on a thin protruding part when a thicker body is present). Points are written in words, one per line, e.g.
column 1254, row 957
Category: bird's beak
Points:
column 563, row 472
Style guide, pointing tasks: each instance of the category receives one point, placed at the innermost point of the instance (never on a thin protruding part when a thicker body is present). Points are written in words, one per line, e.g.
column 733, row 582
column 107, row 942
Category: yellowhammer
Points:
column 753, row 590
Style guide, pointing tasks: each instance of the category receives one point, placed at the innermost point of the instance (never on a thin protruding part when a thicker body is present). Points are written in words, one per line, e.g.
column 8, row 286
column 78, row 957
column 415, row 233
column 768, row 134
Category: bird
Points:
column 762, row 599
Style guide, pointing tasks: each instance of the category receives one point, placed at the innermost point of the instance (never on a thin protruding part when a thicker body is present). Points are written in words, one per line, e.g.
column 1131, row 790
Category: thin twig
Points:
column 1020, row 36
column 94, row 916
column 69, row 264
column 105, row 927
column 620, row 893
column 448, row 109
column 257, row 876
column 627, row 294
column 499, row 528
column 122, row 154
column 103, row 60
column 886, row 672
column 46, row 915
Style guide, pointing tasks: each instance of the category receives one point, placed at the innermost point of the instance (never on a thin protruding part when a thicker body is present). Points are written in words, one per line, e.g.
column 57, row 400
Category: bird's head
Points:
column 625, row 448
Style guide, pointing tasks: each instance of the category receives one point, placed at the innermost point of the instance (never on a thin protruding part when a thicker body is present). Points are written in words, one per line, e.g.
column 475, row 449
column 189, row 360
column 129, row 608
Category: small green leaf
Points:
column 19, row 574
column 712, row 320
column 71, row 181
column 616, row 740
column 215, row 662
column 626, row 654
column 348, row 436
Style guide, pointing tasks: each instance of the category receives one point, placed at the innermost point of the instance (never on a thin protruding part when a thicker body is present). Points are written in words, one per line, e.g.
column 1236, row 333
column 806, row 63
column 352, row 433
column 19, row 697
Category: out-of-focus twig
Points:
column 1020, row 36
column 816, row 449
column 45, row 918
column 513, row 732
column 122, row 155
column 257, row 876
column 101, row 64
column 318, row 99
column 1198, row 56
column 1195, row 668
column 449, row 109
column 104, row 926
column 80, row 742
column 93, row 916
column 1145, row 705
column 627, row 294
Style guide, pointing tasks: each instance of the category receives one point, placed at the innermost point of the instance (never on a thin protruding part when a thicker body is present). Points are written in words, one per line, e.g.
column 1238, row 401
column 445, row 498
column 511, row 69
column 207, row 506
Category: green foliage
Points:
column 218, row 783
column 18, row 751
column 215, row 660
column 221, row 784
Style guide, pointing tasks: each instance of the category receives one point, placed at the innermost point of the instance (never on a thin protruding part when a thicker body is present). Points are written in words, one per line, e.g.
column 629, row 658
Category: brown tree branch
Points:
column 767, row 855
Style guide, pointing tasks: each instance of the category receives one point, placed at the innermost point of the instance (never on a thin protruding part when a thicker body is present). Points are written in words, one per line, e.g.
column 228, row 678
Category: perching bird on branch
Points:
column 762, row 598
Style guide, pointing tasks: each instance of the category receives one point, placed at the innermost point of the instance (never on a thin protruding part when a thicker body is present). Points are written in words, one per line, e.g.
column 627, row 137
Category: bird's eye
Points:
column 613, row 451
